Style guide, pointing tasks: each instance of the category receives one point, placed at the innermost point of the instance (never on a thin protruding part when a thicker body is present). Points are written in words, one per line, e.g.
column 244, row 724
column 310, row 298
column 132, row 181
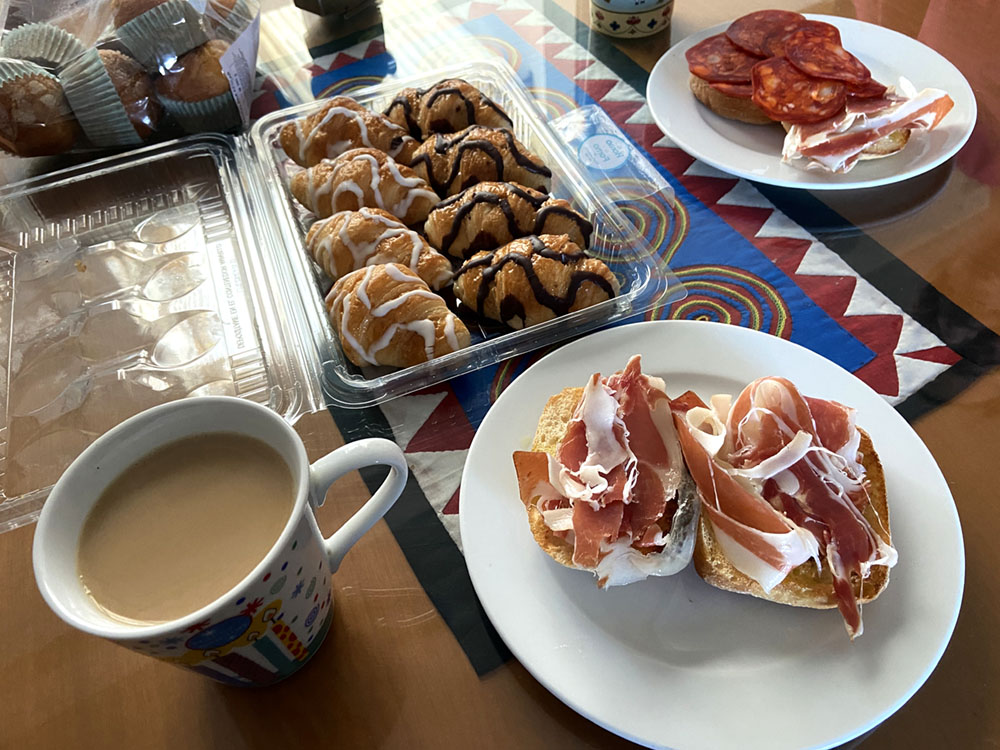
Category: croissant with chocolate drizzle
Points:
column 340, row 125
column 364, row 177
column 491, row 214
column 533, row 279
column 386, row 315
column 478, row 154
column 446, row 107
column 349, row 240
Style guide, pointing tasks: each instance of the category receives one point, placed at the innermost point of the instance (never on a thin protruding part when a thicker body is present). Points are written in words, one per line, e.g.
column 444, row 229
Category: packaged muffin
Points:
column 197, row 93
column 113, row 98
column 157, row 32
column 35, row 118
column 41, row 43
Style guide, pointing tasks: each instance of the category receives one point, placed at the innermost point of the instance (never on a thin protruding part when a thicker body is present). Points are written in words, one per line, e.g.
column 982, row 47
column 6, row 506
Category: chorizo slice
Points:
column 749, row 32
column 787, row 94
column 818, row 56
column 718, row 60
column 774, row 45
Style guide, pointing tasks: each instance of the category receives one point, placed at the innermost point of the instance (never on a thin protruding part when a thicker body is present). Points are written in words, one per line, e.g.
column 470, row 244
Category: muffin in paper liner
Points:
column 163, row 33
column 13, row 69
column 96, row 104
column 219, row 113
column 52, row 129
column 41, row 43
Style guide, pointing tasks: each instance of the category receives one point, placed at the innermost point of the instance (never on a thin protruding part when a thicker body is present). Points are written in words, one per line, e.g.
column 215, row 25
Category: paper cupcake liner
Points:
column 162, row 34
column 42, row 43
column 219, row 113
column 11, row 70
column 96, row 104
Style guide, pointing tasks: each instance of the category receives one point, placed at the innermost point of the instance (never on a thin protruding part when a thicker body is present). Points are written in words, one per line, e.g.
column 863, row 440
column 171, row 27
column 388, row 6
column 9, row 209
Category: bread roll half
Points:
column 731, row 107
column 805, row 586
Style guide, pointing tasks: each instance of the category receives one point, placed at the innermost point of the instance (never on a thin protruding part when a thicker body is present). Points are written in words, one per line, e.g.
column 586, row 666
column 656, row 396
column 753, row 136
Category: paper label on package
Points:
column 239, row 63
column 233, row 308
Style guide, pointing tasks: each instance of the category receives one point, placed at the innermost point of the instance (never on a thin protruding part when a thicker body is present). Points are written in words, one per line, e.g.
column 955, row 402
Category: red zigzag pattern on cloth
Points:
column 881, row 332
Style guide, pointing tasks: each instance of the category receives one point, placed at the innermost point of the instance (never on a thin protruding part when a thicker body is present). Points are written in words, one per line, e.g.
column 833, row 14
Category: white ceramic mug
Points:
column 268, row 625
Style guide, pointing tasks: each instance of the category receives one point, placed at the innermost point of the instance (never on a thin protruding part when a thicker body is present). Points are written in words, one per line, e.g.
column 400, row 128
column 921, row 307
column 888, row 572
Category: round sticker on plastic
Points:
column 604, row 151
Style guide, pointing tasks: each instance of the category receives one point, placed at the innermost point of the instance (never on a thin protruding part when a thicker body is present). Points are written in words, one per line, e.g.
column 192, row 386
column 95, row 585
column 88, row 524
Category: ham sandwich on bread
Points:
column 777, row 66
column 793, row 498
column 605, row 486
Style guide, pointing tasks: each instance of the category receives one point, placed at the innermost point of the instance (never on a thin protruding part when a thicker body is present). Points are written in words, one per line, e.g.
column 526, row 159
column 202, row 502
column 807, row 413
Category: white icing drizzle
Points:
column 423, row 327
column 398, row 209
column 367, row 253
column 357, row 117
column 397, row 274
column 347, row 186
column 345, row 330
column 449, row 332
column 362, row 290
column 392, row 304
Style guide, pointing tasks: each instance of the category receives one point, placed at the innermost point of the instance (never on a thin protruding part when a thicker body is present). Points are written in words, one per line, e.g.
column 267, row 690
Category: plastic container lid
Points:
column 125, row 283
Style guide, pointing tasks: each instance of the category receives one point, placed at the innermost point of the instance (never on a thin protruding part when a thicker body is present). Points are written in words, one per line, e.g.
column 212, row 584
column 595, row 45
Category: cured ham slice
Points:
column 836, row 144
column 780, row 482
column 614, row 487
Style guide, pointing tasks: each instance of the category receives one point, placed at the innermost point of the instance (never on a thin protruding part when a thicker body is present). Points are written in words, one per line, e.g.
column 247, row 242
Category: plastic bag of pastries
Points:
column 113, row 74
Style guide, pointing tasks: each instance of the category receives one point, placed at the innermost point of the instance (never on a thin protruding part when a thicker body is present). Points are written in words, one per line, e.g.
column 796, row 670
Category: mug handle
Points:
column 327, row 470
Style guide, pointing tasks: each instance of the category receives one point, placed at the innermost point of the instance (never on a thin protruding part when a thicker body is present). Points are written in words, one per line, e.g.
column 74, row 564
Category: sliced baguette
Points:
column 731, row 107
column 552, row 425
column 804, row 586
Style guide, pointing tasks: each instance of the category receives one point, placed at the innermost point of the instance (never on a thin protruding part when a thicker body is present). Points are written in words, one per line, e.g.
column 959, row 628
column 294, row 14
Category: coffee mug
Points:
column 268, row 625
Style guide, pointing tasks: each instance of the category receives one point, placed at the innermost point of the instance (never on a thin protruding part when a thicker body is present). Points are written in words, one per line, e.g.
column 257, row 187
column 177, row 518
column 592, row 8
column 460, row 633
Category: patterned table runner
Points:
column 742, row 251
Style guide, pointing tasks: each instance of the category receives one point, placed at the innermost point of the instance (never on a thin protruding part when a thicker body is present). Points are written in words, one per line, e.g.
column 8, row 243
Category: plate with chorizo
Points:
column 811, row 101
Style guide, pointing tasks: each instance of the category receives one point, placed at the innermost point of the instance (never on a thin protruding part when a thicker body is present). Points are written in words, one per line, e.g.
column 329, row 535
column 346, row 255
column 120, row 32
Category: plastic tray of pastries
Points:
column 179, row 269
column 644, row 281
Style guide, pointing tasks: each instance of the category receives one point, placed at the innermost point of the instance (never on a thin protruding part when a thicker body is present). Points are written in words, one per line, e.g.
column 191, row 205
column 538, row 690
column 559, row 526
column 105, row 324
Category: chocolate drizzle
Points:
column 483, row 241
column 443, row 145
column 552, row 209
column 403, row 100
column 542, row 204
column 512, row 307
column 444, row 125
column 441, row 88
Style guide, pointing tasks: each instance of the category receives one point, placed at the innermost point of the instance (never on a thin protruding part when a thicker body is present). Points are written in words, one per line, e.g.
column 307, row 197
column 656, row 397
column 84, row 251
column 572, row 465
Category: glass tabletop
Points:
column 897, row 284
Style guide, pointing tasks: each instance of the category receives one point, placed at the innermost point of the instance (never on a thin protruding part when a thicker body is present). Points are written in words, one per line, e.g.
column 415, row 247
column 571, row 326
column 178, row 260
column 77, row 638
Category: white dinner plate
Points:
column 754, row 151
column 674, row 662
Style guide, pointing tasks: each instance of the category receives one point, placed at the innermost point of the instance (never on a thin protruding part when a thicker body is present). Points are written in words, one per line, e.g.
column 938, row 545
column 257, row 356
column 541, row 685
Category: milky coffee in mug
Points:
column 183, row 525
column 232, row 578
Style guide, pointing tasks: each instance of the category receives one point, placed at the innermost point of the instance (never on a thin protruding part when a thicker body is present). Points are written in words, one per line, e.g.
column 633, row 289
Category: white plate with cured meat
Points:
column 754, row 151
column 674, row 662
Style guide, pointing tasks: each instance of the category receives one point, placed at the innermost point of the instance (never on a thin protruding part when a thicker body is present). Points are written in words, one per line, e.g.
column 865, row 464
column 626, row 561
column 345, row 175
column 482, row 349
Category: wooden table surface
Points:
column 391, row 674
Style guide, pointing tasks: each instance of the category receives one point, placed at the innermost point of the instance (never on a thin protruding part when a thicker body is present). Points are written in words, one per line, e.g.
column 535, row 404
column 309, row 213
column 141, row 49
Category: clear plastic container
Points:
column 129, row 282
column 616, row 240
column 179, row 270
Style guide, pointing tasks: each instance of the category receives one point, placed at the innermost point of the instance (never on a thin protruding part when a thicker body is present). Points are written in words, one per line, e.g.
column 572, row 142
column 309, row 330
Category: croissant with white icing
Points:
column 340, row 125
column 478, row 154
column 533, row 279
column 386, row 315
column 349, row 240
column 491, row 214
column 364, row 177
column 446, row 107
